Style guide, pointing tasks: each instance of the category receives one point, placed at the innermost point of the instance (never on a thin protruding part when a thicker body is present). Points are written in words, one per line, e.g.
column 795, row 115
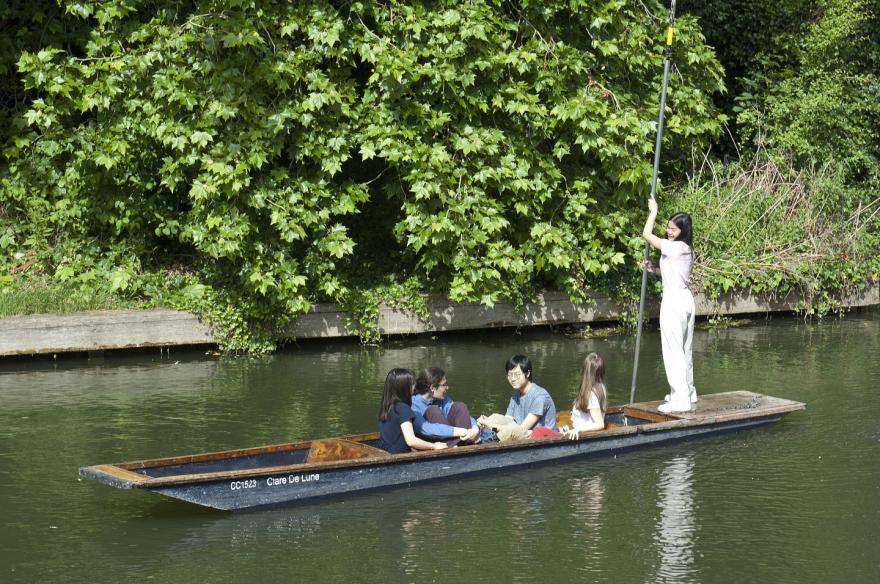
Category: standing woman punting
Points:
column 677, row 310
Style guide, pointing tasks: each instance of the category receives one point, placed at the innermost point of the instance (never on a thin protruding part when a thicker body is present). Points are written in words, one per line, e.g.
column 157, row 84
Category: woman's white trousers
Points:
column 677, row 314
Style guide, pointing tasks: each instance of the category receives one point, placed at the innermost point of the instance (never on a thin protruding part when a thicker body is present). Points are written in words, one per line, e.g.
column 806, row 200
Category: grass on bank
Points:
column 768, row 226
column 43, row 297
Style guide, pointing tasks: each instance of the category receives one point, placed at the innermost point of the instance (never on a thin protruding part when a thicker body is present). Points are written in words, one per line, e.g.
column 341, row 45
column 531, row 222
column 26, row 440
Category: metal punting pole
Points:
column 666, row 59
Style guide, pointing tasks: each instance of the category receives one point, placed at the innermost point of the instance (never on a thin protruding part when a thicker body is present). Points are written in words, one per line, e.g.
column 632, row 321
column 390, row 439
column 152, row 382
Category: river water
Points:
column 797, row 501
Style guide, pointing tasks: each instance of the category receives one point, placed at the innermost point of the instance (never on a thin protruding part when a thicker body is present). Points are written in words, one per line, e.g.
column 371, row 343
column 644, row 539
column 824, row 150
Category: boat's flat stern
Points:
column 113, row 475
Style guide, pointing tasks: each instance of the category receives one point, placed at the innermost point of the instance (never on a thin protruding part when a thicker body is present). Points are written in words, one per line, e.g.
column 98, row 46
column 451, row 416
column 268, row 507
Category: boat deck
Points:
column 727, row 405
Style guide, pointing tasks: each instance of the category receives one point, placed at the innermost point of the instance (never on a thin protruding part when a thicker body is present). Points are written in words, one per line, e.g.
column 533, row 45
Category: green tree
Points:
column 831, row 108
column 294, row 152
column 756, row 43
column 800, row 210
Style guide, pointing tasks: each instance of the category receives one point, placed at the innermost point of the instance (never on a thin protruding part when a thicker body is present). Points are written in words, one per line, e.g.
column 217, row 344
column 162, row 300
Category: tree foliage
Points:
column 293, row 152
column 806, row 102
column 804, row 77
column 756, row 42
column 831, row 108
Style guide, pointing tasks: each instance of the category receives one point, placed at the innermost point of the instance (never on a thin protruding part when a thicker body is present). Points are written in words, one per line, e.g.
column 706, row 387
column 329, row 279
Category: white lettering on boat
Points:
column 239, row 485
column 293, row 479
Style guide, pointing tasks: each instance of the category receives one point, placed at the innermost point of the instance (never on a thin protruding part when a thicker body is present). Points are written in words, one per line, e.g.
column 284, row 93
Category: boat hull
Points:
column 287, row 488
column 287, row 474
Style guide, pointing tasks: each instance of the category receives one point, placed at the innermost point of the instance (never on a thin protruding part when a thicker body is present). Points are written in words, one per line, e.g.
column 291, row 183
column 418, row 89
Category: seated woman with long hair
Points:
column 588, row 410
column 396, row 432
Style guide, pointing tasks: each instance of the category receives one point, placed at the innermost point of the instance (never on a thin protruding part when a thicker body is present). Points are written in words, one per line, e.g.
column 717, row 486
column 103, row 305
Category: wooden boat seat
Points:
column 564, row 419
column 339, row 449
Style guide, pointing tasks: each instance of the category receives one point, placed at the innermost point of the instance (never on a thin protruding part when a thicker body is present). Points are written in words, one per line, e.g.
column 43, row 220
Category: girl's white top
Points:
column 676, row 259
column 581, row 419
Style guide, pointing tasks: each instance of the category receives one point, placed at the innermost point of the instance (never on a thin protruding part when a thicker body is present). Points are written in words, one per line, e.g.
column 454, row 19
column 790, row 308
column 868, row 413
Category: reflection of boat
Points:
column 286, row 473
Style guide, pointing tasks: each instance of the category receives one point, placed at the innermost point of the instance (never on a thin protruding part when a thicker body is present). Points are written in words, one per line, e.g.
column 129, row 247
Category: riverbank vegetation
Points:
column 247, row 159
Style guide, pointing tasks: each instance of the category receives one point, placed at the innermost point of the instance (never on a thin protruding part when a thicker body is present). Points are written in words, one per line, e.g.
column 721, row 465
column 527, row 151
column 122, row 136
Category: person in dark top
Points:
column 396, row 433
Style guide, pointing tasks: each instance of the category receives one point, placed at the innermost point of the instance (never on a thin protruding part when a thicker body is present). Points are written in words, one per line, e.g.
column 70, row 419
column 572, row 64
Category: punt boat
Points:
column 302, row 471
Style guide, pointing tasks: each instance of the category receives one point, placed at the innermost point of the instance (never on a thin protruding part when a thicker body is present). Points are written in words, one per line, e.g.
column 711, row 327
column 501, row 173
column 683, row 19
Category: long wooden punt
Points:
column 300, row 471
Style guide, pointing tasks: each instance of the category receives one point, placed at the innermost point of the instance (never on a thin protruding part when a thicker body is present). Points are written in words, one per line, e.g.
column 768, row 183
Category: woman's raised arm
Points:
column 648, row 231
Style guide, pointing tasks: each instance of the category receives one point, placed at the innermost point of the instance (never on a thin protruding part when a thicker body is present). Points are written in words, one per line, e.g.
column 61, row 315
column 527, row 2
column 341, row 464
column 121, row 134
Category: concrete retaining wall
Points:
column 100, row 330
column 125, row 329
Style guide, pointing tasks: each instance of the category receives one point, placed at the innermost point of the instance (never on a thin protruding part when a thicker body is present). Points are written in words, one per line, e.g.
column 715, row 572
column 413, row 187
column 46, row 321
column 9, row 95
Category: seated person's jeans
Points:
column 488, row 435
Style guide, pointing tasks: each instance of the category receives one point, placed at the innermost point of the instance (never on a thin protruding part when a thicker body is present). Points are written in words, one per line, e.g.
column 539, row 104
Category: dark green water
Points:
column 798, row 501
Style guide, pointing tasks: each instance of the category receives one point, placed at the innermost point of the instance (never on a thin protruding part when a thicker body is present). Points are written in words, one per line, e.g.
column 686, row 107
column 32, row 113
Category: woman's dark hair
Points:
column 683, row 222
column 428, row 378
column 522, row 362
column 398, row 388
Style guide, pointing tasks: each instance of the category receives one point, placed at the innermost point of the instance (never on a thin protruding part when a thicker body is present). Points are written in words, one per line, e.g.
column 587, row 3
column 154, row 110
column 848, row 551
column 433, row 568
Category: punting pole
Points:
column 666, row 59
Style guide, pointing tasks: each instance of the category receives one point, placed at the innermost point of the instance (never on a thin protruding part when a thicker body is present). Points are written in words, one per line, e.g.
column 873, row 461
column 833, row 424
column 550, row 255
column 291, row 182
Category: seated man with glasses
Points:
column 530, row 406
column 438, row 417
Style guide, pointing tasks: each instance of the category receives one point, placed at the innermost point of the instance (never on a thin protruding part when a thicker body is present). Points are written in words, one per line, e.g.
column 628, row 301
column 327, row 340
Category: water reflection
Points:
column 587, row 504
column 500, row 522
column 587, row 501
column 596, row 519
column 126, row 382
column 417, row 529
column 674, row 538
